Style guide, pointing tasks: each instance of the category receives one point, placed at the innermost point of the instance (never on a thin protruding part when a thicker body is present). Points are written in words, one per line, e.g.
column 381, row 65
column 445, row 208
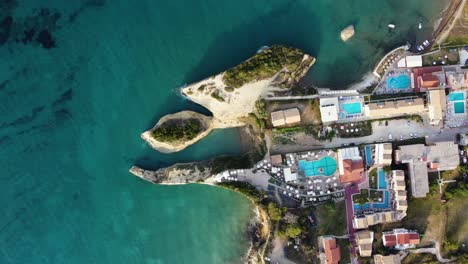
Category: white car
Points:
column 390, row 137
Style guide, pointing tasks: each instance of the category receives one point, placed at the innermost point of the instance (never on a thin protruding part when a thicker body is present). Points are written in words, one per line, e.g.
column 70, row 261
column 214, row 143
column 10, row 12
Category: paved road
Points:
column 349, row 191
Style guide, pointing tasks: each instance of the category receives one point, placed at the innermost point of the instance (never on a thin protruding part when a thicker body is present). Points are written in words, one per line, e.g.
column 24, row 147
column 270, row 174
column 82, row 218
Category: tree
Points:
column 387, row 169
column 293, row 230
column 274, row 212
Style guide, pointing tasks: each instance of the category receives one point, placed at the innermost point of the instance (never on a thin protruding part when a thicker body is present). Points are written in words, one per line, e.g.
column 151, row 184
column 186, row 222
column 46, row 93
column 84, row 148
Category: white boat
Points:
column 420, row 25
column 391, row 25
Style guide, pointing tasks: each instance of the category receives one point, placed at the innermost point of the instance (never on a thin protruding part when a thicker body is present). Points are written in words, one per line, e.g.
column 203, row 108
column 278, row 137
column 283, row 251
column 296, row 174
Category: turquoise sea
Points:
column 79, row 82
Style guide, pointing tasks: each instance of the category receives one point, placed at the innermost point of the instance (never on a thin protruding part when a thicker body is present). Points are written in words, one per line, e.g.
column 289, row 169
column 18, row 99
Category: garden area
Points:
column 376, row 196
column 373, row 178
column 362, row 197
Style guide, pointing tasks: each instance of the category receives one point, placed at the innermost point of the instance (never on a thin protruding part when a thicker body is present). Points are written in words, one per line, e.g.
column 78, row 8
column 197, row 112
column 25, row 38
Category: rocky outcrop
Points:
column 180, row 173
column 347, row 33
column 208, row 124
column 231, row 104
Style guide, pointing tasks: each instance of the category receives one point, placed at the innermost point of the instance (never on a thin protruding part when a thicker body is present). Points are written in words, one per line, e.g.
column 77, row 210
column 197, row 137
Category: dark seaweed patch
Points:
column 27, row 118
column 64, row 97
column 86, row 5
column 28, row 36
column 5, row 29
column 62, row 114
column 35, row 29
column 45, row 39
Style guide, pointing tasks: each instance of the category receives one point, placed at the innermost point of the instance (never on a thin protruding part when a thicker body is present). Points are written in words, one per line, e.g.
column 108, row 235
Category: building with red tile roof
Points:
column 332, row 251
column 428, row 80
column 401, row 239
column 352, row 170
column 420, row 72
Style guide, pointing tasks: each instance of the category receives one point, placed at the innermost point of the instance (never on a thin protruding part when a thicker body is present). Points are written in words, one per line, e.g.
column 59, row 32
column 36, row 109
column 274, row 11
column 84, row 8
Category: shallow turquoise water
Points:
column 78, row 84
column 401, row 82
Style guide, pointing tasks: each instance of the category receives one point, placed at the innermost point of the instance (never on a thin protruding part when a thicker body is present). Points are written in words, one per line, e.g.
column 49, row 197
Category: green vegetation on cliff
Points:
column 264, row 65
column 178, row 130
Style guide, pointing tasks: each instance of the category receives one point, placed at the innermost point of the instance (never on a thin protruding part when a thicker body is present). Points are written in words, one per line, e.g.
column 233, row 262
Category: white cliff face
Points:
column 239, row 102
column 236, row 104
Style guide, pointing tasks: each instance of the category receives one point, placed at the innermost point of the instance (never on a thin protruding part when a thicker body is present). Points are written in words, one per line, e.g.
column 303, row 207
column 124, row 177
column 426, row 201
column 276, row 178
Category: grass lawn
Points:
column 420, row 258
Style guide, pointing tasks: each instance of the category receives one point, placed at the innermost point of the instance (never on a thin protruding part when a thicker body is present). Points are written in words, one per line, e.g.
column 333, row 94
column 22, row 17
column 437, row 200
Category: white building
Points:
column 414, row 61
column 383, row 154
column 329, row 109
column 288, row 175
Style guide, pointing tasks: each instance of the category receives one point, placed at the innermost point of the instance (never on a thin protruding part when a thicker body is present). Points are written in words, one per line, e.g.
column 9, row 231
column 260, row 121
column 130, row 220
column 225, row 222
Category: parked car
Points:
column 390, row 137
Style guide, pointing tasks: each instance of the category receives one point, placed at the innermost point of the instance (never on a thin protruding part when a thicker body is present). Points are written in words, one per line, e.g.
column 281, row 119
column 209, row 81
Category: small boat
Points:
column 391, row 25
column 420, row 25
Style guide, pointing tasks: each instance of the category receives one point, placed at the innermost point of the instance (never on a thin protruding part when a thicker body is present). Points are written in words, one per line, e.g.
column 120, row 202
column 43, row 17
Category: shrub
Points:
column 229, row 89
column 292, row 230
column 274, row 212
column 215, row 94
column 178, row 130
column 263, row 65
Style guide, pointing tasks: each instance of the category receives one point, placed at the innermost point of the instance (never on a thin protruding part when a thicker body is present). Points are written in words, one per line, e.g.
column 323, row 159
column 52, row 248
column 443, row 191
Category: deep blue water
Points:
column 79, row 82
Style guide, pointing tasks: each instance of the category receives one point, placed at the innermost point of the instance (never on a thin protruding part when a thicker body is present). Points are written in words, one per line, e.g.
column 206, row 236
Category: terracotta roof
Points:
column 276, row 159
column 414, row 238
column 332, row 252
column 390, row 240
column 428, row 80
column 352, row 170
column 419, row 72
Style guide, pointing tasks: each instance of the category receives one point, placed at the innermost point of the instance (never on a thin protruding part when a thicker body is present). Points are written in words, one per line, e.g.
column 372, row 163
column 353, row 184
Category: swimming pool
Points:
column 460, row 96
column 399, row 82
column 368, row 155
column 459, row 107
column 365, row 206
column 382, row 182
column 325, row 166
column 351, row 108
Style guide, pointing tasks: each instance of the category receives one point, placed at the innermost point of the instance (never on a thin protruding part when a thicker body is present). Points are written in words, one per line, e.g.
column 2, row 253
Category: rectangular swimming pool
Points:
column 459, row 107
column 368, row 155
column 351, row 108
column 382, row 182
column 459, row 96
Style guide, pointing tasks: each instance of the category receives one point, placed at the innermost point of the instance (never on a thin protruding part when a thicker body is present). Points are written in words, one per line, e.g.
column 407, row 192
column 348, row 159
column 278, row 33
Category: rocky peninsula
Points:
column 231, row 96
